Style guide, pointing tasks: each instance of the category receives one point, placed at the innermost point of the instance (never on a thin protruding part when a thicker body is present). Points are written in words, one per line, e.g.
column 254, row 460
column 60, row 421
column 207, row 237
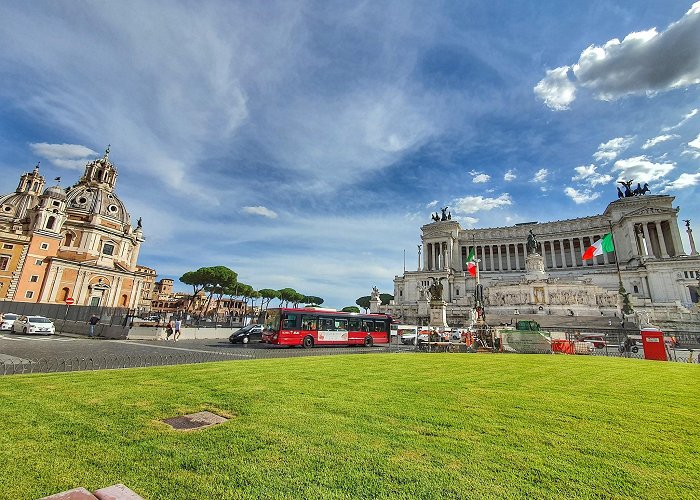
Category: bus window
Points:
column 326, row 324
column 272, row 321
column 354, row 325
column 367, row 326
column 379, row 326
column 290, row 322
column 308, row 323
column 341, row 324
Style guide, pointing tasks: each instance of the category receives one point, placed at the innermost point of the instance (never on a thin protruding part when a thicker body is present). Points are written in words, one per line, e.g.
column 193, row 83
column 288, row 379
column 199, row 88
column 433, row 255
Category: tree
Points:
column 385, row 298
column 363, row 302
column 350, row 309
column 210, row 278
column 267, row 295
column 287, row 295
column 312, row 300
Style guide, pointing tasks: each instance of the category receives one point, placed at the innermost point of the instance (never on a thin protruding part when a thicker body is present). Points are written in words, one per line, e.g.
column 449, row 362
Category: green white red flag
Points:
column 471, row 262
column 603, row 245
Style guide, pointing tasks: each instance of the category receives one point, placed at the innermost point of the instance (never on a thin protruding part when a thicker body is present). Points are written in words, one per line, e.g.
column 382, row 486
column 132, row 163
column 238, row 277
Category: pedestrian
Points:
column 178, row 324
column 168, row 330
column 94, row 319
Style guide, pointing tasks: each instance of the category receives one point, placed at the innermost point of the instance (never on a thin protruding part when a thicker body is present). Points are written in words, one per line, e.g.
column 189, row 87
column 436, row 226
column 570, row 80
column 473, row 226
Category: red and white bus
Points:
column 310, row 327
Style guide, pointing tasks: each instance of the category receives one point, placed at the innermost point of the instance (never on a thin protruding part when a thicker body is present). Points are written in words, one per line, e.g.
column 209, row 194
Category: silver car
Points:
column 33, row 324
column 7, row 320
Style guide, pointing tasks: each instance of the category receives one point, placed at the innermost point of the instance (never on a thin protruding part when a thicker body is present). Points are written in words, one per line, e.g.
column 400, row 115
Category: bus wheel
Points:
column 308, row 342
column 369, row 341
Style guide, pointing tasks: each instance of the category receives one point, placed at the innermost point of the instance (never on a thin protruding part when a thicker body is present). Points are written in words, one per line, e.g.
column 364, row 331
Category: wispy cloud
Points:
column 541, row 175
column 685, row 120
column 262, row 211
column 580, row 197
column 610, row 150
column 509, row 176
column 589, row 175
column 69, row 156
column 658, row 139
column 684, row 180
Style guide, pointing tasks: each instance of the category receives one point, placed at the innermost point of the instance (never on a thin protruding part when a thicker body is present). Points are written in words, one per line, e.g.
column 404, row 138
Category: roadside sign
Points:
column 70, row 301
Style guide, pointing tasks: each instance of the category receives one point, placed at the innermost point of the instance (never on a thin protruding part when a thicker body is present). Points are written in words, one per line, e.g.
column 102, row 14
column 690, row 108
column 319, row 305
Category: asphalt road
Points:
column 16, row 347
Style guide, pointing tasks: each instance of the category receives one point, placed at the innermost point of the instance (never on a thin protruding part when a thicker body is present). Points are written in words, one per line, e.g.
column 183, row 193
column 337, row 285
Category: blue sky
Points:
column 303, row 144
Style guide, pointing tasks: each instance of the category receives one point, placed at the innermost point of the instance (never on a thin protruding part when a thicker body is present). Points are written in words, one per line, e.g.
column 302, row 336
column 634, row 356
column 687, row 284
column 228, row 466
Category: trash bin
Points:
column 653, row 343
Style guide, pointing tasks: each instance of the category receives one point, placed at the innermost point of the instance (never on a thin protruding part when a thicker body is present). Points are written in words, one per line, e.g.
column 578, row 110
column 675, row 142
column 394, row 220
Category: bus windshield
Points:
column 272, row 321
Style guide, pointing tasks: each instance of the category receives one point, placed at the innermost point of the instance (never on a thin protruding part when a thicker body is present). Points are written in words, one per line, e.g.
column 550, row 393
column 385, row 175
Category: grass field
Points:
column 371, row 426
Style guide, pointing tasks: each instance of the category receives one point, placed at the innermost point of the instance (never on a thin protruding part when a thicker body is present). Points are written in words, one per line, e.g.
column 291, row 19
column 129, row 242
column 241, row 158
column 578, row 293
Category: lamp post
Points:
column 626, row 308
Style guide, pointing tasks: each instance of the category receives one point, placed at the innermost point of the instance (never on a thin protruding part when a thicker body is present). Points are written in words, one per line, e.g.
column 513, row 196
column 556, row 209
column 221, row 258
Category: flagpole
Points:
column 626, row 308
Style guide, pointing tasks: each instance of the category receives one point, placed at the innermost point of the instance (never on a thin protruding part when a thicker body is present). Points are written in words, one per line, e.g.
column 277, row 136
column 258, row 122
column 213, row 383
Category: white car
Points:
column 33, row 324
column 7, row 320
column 410, row 338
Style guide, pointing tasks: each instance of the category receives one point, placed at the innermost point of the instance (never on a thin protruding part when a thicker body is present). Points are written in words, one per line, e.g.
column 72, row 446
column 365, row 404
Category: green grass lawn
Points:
column 372, row 426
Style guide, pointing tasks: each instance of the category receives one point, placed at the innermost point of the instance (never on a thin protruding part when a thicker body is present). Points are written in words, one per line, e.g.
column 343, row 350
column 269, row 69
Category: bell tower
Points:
column 31, row 182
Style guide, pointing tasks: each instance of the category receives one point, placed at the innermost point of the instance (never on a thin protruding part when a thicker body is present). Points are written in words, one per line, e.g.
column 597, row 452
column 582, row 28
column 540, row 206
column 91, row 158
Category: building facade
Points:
column 653, row 265
column 77, row 243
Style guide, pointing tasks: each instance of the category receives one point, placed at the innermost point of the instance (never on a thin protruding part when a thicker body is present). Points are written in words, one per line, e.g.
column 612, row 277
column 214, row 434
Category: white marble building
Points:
column 660, row 277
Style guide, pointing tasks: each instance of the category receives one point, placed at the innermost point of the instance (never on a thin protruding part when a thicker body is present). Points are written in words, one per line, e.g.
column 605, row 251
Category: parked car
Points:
column 7, row 320
column 33, row 324
column 247, row 334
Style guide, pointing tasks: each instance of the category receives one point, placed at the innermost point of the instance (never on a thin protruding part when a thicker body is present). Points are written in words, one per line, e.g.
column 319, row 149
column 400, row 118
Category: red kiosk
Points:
column 653, row 342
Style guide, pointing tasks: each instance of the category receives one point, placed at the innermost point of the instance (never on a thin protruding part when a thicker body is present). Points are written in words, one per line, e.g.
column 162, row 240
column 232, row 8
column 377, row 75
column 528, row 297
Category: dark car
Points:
column 252, row 332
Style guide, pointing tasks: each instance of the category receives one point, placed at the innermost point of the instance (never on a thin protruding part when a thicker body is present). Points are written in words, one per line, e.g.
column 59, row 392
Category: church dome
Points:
column 15, row 205
column 85, row 199
column 55, row 192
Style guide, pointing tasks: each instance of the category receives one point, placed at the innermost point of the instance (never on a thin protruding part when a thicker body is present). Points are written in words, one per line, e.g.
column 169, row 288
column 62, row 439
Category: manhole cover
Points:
column 194, row 421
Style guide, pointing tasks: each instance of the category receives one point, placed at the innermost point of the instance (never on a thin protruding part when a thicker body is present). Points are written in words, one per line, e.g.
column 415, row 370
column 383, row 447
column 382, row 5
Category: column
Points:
column 573, row 252
column 563, row 254
column 509, row 267
column 500, row 257
column 647, row 241
column 517, row 256
column 676, row 237
column 662, row 240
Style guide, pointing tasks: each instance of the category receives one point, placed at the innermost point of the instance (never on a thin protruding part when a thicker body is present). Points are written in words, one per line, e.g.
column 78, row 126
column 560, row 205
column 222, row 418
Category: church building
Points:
column 77, row 243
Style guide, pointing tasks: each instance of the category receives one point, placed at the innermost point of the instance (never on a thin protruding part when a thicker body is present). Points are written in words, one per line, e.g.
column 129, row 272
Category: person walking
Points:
column 178, row 325
column 94, row 319
column 168, row 329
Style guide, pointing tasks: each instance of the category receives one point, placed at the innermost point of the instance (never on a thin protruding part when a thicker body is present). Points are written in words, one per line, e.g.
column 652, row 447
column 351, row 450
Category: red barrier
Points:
column 563, row 346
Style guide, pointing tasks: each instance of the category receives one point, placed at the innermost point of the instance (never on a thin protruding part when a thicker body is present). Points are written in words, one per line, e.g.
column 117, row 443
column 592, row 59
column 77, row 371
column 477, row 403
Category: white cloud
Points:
column 645, row 62
column 693, row 154
column 658, row 139
column 556, row 90
column 432, row 204
column 69, row 156
column 262, row 211
column 481, row 178
column 588, row 174
column 684, row 180
column 695, row 143
column 608, row 151
column 468, row 221
column 540, row 175
column 509, row 176
column 580, row 197
column 682, row 122
column 473, row 204
column 641, row 169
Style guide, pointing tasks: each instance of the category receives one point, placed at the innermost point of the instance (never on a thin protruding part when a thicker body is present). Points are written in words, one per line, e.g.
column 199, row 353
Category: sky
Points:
column 303, row 144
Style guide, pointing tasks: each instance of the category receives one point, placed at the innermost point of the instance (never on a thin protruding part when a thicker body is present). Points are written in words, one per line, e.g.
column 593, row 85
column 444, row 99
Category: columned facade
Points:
column 647, row 243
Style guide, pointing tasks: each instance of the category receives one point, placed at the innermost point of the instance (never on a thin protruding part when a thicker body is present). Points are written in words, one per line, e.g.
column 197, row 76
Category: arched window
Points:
column 65, row 293
column 69, row 238
column 35, row 186
column 50, row 222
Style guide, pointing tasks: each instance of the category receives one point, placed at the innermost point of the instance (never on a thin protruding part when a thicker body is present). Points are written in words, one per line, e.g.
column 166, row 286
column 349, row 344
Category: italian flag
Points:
column 471, row 264
column 603, row 245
